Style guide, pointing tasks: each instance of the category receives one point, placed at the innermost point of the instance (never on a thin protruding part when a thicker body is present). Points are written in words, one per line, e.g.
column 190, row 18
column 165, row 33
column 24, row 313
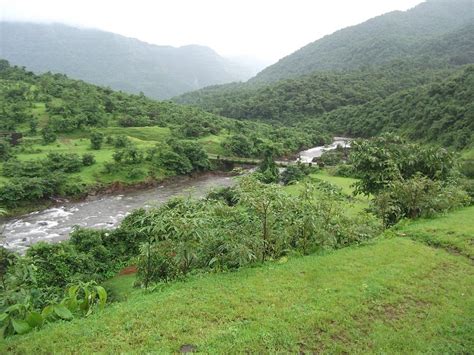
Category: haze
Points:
column 264, row 30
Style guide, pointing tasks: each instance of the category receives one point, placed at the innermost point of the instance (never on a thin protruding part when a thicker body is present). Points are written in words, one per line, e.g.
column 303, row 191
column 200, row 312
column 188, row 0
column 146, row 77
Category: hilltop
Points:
column 109, row 59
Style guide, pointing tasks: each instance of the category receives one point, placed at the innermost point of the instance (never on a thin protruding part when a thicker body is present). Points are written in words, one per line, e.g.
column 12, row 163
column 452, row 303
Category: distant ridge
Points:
column 395, row 35
column 113, row 60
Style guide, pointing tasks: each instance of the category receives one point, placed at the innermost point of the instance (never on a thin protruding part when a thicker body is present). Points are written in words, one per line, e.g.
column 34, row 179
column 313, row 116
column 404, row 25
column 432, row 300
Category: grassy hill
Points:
column 396, row 294
column 109, row 59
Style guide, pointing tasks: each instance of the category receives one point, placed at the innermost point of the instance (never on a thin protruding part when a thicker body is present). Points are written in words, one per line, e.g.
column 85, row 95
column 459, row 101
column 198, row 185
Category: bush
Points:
column 294, row 173
column 97, row 139
column 129, row 155
column 121, row 141
column 343, row 170
column 5, row 149
column 66, row 162
column 49, row 136
column 135, row 173
column 467, row 168
column 417, row 197
column 88, row 159
column 175, row 162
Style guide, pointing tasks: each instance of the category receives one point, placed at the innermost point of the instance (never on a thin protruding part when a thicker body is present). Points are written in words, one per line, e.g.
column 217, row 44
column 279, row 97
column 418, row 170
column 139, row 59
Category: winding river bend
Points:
column 55, row 224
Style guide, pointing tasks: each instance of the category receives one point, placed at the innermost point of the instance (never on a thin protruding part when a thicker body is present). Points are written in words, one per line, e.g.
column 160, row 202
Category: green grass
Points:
column 395, row 295
column 212, row 144
column 454, row 232
column 357, row 204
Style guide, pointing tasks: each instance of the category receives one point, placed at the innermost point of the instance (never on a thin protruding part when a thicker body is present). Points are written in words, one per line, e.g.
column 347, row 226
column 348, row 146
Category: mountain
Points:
column 441, row 112
column 113, row 60
column 377, row 41
column 312, row 95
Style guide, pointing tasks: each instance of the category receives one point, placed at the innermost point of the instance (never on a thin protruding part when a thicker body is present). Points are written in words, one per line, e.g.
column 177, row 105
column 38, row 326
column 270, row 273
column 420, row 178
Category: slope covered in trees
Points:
column 77, row 137
column 119, row 62
column 312, row 95
column 380, row 40
column 441, row 112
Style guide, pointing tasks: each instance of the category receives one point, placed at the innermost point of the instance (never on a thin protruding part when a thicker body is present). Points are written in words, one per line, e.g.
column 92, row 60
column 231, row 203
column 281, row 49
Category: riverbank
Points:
column 105, row 210
column 392, row 295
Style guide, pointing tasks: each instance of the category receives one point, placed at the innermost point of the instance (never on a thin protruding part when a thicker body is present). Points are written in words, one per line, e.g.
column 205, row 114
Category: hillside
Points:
column 78, row 137
column 395, row 35
column 391, row 295
column 312, row 95
column 442, row 113
column 112, row 60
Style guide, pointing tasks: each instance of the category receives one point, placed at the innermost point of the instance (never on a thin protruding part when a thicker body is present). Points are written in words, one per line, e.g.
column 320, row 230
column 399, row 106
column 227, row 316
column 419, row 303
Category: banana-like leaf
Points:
column 47, row 311
column 3, row 317
column 34, row 319
column 102, row 296
column 20, row 326
column 62, row 312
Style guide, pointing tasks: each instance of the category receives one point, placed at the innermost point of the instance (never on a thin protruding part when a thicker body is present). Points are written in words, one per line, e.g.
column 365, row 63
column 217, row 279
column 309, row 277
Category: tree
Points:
column 268, row 168
column 49, row 136
column 266, row 202
column 97, row 139
column 5, row 149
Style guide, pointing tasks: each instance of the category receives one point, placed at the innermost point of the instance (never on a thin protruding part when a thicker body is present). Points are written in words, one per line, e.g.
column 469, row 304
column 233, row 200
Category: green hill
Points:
column 395, row 35
column 394, row 295
column 109, row 59
column 442, row 112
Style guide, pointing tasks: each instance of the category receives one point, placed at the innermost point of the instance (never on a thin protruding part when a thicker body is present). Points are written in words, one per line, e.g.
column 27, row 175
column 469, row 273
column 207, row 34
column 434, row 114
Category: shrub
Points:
column 121, row 141
column 97, row 139
column 66, row 162
column 294, row 173
column 88, row 159
column 49, row 136
column 5, row 149
column 343, row 170
column 416, row 197
column 128, row 155
column 467, row 168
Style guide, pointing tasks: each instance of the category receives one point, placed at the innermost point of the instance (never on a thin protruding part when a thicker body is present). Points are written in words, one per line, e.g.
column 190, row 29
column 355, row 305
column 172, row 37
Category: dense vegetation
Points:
column 442, row 112
column 115, row 137
column 312, row 95
column 427, row 31
column 109, row 59
column 254, row 222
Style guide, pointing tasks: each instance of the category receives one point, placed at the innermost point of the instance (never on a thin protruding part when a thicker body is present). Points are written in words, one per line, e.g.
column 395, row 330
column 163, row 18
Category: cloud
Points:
column 265, row 29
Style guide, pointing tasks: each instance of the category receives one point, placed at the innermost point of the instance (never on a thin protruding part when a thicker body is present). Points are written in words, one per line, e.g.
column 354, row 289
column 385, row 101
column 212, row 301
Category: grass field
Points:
column 394, row 295
column 79, row 143
column 357, row 203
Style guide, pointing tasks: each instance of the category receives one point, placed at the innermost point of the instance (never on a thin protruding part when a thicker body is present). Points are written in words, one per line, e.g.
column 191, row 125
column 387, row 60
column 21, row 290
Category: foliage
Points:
column 219, row 232
column 417, row 197
column 380, row 161
column 268, row 169
column 97, row 139
column 88, row 159
column 48, row 135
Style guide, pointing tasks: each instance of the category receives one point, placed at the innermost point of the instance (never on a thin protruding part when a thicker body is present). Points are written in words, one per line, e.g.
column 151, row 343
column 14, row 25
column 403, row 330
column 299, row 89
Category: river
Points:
column 107, row 211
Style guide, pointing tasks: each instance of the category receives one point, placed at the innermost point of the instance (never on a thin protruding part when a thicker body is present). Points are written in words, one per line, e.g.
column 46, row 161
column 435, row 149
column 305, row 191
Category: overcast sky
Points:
column 263, row 29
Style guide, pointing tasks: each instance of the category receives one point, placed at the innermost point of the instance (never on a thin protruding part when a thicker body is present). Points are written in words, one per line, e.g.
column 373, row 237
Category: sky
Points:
column 266, row 30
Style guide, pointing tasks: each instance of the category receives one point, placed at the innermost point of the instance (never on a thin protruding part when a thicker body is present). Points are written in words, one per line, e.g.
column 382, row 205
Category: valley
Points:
column 151, row 202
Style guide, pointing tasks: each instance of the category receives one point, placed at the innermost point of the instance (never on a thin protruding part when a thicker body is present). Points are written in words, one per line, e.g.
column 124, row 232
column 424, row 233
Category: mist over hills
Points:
column 395, row 35
column 113, row 60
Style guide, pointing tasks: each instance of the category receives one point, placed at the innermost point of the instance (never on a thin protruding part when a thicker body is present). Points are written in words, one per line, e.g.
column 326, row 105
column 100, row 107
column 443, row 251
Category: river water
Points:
column 307, row 156
column 55, row 224
column 107, row 211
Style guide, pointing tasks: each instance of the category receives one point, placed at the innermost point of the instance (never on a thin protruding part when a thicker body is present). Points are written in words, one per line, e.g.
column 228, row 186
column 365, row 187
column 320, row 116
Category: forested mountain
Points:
column 112, row 60
column 380, row 40
column 308, row 96
column 442, row 112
